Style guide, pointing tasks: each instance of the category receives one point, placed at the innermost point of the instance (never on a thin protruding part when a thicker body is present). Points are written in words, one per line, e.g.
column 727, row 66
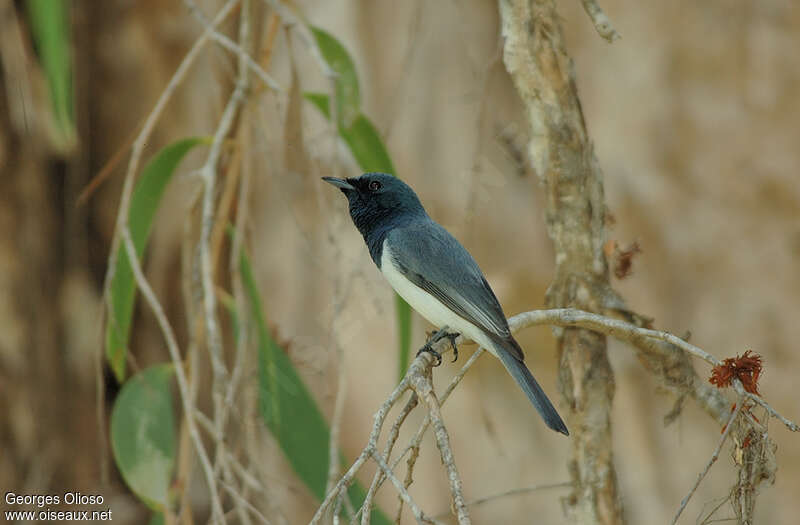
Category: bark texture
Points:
column 563, row 157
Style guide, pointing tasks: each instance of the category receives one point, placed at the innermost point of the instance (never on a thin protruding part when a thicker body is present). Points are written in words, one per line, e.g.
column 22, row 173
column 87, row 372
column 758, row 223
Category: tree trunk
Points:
column 563, row 157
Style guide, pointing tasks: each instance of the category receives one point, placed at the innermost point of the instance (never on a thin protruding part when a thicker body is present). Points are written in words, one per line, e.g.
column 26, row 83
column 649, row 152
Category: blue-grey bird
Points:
column 430, row 269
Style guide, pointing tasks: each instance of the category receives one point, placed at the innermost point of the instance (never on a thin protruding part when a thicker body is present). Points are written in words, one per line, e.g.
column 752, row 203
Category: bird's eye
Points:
column 374, row 185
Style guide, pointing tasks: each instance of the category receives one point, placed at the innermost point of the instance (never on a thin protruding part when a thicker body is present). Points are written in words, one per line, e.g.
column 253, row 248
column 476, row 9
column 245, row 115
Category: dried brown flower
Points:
column 622, row 258
column 746, row 368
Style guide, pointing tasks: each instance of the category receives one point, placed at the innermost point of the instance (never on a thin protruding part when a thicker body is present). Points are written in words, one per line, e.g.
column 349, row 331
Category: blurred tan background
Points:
column 695, row 119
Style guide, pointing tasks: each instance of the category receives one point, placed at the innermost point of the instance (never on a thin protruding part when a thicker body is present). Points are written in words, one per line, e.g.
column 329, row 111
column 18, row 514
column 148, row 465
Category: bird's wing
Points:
column 436, row 262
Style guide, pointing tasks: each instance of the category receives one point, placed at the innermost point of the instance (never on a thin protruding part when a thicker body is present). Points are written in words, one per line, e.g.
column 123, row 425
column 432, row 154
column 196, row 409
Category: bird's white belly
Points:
column 429, row 306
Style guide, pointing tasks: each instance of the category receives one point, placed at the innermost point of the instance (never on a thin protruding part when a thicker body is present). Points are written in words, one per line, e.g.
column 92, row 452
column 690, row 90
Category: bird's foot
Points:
column 435, row 337
column 434, row 353
column 452, row 337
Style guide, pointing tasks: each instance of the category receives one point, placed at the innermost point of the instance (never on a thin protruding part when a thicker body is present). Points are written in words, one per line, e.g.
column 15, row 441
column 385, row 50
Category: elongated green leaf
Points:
column 403, row 312
column 50, row 29
column 371, row 155
column 366, row 146
column 144, row 203
column 289, row 409
column 143, row 434
column 347, row 92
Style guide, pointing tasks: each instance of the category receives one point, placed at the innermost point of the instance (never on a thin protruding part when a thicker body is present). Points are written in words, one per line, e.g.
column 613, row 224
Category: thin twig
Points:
column 417, row 439
column 208, row 262
column 513, row 492
column 208, row 173
column 175, row 355
column 347, row 478
column 600, row 20
column 247, row 478
column 144, row 136
column 246, row 504
column 233, row 47
column 230, row 45
column 419, row 380
column 629, row 333
column 712, row 460
column 185, row 459
column 122, row 230
column 289, row 17
column 791, row 425
column 380, row 476
column 401, row 490
column 605, row 325
column 336, row 418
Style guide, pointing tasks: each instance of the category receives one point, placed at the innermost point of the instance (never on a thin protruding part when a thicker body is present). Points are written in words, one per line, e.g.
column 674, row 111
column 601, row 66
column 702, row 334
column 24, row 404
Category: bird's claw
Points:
column 435, row 337
column 427, row 348
column 452, row 338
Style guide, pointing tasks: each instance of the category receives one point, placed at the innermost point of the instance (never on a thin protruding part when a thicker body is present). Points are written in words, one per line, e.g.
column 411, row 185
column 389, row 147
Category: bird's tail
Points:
column 516, row 367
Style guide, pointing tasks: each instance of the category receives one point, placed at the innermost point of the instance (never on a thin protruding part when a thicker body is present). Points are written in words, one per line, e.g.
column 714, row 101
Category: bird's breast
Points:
column 428, row 306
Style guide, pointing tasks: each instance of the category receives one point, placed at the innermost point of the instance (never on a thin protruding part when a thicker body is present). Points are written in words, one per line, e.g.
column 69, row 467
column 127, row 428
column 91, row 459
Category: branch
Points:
column 380, row 475
column 345, row 480
column 419, row 377
column 600, row 20
column 289, row 17
column 122, row 233
column 180, row 374
column 144, row 135
column 401, row 490
column 562, row 155
column 633, row 334
column 237, row 49
column 514, row 492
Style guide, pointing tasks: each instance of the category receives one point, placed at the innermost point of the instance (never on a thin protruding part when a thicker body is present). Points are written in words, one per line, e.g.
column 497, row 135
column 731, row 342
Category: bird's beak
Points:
column 339, row 183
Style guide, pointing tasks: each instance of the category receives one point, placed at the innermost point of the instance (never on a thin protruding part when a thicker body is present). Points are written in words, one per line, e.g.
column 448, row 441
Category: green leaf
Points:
column 321, row 101
column 370, row 153
column 289, row 409
column 348, row 98
column 403, row 313
column 50, row 24
column 144, row 203
column 361, row 137
column 366, row 146
column 143, row 434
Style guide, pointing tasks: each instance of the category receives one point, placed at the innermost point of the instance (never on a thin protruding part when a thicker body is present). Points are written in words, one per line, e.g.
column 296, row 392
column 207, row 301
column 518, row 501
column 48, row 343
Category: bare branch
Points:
column 514, row 492
column 180, row 374
column 791, row 425
column 380, row 476
column 237, row 49
column 419, row 379
column 344, row 482
column 600, row 20
column 245, row 504
column 417, row 439
column 289, row 17
column 147, row 129
column 632, row 334
column 421, row 518
column 562, row 155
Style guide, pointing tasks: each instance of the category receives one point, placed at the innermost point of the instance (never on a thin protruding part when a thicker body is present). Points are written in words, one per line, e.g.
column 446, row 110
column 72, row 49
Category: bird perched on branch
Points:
column 430, row 269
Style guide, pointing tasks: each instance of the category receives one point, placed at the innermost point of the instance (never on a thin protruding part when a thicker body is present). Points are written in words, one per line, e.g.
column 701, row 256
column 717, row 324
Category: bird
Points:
column 436, row 275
